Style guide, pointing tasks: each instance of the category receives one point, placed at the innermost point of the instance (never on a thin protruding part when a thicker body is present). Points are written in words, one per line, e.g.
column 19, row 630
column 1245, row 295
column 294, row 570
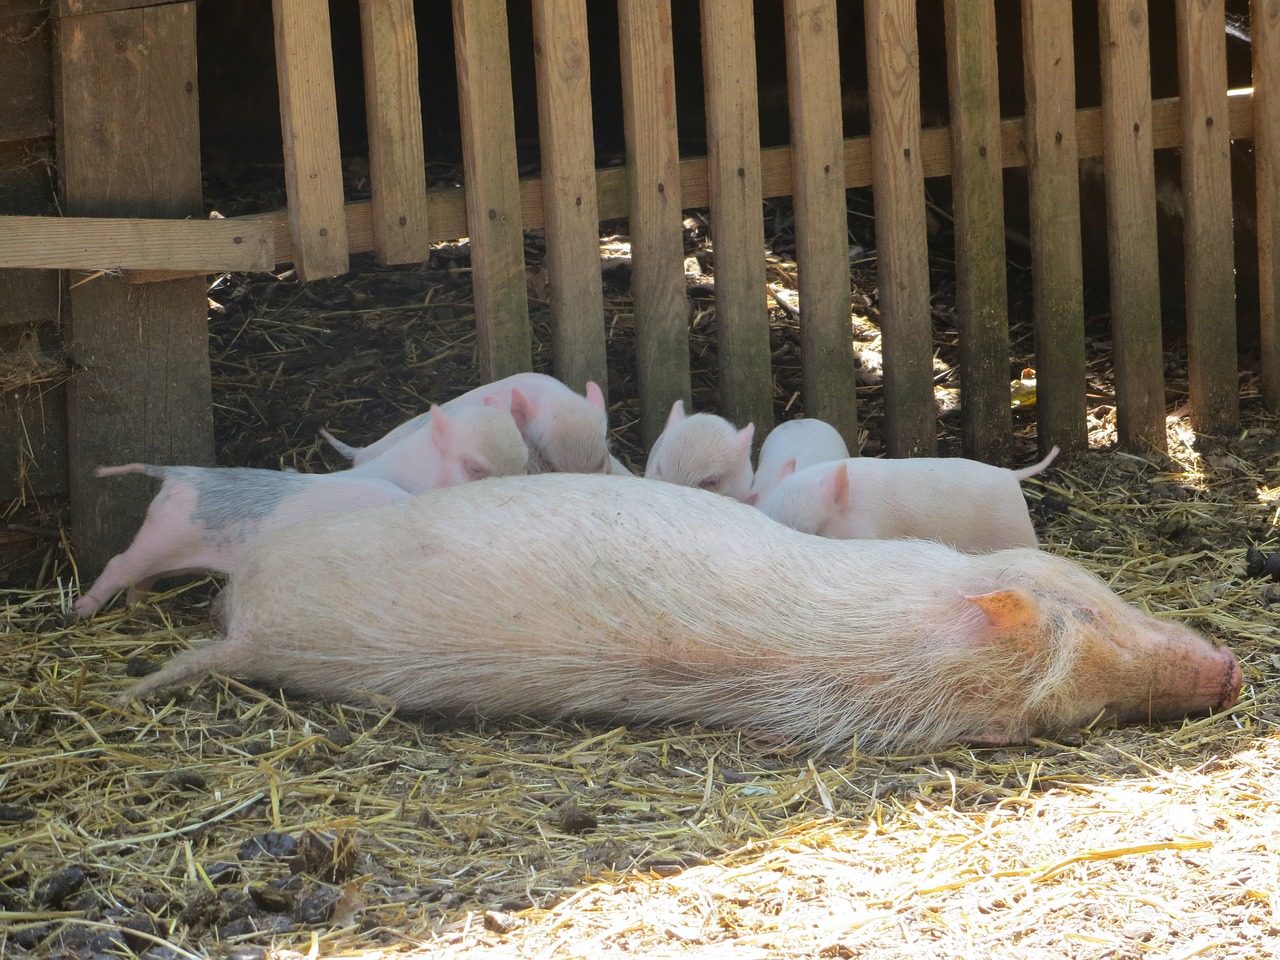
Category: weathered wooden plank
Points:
column 1129, row 166
column 71, row 8
column 309, row 122
column 493, row 187
column 569, row 191
column 26, row 187
column 26, row 75
column 650, row 193
column 109, row 243
column 737, row 218
column 1206, row 196
column 978, row 187
column 902, row 264
column 822, row 231
column 129, row 147
column 397, row 165
column 1266, row 152
column 1057, row 292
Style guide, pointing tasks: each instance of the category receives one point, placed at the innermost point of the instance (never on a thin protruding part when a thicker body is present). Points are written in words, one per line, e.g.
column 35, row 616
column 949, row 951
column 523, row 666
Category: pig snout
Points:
column 1195, row 677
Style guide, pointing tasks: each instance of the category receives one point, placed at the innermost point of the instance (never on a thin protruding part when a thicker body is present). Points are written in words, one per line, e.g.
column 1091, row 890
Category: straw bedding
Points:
column 235, row 821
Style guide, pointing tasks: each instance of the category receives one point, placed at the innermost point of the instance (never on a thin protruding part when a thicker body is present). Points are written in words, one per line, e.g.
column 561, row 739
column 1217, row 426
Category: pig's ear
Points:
column 676, row 415
column 835, row 489
column 595, row 395
column 788, row 469
column 1008, row 610
column 441, row 427
column 522, row 409
column 742, row 442
column 751, row 498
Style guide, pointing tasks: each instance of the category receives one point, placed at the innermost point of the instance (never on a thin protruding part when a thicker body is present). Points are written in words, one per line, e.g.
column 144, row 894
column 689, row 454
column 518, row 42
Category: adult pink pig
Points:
column 206, row 518
column 625, row 599
column 702, row 451
column 794, row 445
column 563, row 430
column 964, row 503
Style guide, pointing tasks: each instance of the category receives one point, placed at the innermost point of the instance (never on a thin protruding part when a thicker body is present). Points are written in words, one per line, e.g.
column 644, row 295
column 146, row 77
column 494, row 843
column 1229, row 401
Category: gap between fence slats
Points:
column 822, row 232
column 397, row 165
column 1057, row 299
column 1130, row 177
column 978, row 188
column 1206, row 196
column 494, row 219
column 902, row 256
column 569, row 191
column 737, row 215
column 309, row 123
column 1266, row 82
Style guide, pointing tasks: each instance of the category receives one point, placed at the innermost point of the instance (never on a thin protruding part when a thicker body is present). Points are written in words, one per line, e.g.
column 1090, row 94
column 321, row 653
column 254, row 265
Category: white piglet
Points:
column 704, row 451
column 792, row 446
column 964, row 503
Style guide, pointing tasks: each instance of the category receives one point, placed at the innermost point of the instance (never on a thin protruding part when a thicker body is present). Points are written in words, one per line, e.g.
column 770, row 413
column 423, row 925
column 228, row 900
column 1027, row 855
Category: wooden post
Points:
column 493, row 187
column 737, row 215
column 1131, row 224
column 397, row 168
column 822, row 230
column 1266, row 151
column 902, row 254
column 1206, row 197
column 653, row 189
column 569, row 191
column 1053, row 172
column 129, row 146
column 978, row 182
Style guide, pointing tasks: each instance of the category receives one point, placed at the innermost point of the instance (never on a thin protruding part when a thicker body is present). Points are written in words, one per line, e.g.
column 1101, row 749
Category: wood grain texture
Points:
column 129, row 147
column 105, row 243
column 737, row 217
column 1053, row 173
column 1206, row 195
column 569, row 191
column 26, row 75
column 397, row 164
column 1266, row 104
column 650, row 192
column 902, row 258
column 822, row 232
column 978, row 186
column 309, row 122
column 1129, row 168
column 493, row 188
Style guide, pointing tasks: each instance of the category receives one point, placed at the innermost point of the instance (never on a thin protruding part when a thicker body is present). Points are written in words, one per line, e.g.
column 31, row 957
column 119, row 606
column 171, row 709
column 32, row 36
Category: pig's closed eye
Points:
column 710, row 483
column 476, row 471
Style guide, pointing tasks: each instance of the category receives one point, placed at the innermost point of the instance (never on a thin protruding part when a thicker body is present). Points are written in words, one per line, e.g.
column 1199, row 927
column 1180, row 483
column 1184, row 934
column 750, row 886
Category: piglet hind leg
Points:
column 188, row 666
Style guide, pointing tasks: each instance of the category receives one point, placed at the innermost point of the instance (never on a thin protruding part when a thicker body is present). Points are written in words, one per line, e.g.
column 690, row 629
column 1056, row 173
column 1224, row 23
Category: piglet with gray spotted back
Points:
column 624, row 599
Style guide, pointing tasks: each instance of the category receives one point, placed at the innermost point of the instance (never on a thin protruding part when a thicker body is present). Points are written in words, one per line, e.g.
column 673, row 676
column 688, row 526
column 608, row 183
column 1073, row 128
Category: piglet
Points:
column 205, row 518
column 563, row 430
column 964, row 503
column 792, row 446
column 703, row 451
column 464, row 444
column 628, row 600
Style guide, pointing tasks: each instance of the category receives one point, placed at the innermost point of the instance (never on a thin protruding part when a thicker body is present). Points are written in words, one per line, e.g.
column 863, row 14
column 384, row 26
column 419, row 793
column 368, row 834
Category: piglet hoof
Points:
column 86, row 607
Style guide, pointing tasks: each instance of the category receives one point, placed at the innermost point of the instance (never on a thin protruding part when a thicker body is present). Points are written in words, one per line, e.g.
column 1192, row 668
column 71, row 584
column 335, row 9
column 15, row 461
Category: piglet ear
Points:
column 742, row 442
column 1012, row 609
column 595, row 395
column 522, row 409
column 441, row 427
column 751, row 498
column 788, row 469
column 835, row 489
column 676, row 415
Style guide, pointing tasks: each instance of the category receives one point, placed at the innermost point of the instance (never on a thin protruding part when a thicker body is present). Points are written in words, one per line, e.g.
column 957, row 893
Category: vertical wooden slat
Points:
column 1129, row 166
column 657, row 237
column 1206, row 194
column 978, row 187
column 309, row 122
column 737, row 218
column 902, row 256
column 129, row 146
column 397, row 166
column 1266, row 151
column 569, row 190
column 493, row 187
column 822, row 232
column 1053, row 171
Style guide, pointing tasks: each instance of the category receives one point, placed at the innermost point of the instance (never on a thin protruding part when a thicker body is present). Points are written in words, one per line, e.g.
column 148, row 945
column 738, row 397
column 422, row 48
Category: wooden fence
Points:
column 318, row 231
